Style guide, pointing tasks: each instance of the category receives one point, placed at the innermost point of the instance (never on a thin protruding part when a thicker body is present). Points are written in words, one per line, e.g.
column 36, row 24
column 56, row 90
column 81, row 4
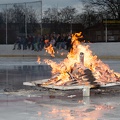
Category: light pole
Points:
column 41, row 17
column 106, row 30
column 25, row 21
column 6, row 26
column 71, row 25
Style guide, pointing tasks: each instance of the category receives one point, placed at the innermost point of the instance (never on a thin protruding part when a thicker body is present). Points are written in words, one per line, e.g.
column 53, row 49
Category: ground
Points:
column 18, row 102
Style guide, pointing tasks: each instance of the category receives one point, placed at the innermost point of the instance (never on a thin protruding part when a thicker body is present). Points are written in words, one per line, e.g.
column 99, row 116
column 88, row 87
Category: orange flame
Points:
column 38, row 60
column 50, row 50
column 101, row 71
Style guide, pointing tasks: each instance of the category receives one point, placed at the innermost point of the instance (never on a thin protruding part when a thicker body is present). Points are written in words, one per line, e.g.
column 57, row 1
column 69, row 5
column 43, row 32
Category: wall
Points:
column 106, row 50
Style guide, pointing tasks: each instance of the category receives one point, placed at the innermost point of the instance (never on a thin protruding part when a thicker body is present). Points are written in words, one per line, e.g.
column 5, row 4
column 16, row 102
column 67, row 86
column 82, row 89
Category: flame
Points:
column 38, row 60
column 49, row 49
column 71, row 67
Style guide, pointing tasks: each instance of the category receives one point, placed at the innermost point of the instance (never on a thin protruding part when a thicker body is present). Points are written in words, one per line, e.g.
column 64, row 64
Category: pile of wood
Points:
column 104, row 76
column 80, row 75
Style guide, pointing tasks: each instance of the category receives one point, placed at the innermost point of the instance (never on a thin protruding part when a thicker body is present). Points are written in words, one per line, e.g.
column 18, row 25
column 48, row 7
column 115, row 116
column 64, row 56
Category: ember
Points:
column 80, row 67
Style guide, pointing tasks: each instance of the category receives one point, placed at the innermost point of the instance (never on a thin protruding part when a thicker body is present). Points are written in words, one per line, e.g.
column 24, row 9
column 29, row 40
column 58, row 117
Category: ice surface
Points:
column 18, row 102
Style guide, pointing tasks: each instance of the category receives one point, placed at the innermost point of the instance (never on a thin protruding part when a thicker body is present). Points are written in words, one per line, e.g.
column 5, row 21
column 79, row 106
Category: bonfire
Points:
column 80, row 67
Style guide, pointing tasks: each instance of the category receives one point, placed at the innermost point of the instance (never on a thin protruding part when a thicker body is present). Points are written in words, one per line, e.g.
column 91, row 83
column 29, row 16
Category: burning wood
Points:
column 80, row 67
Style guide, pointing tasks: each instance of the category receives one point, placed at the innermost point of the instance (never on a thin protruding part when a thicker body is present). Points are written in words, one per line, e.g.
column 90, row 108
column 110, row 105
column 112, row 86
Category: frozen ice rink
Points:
column 18, row 102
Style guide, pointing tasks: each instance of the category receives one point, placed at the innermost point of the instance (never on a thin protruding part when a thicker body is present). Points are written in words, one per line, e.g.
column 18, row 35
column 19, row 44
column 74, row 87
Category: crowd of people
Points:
column 38, row 42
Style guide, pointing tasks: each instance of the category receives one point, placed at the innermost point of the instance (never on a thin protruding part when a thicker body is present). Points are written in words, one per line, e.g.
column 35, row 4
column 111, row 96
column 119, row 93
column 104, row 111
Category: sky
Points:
column 51, row 3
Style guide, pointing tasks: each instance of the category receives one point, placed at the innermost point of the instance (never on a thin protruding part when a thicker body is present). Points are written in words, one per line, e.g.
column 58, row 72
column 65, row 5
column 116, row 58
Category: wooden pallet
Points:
column 84, row 88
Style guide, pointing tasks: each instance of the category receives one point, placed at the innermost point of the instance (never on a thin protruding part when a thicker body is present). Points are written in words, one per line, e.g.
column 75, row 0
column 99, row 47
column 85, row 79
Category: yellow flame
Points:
column 101, row 71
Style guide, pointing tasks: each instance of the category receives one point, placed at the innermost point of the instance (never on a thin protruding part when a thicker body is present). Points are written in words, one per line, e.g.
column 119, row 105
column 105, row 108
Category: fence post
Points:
column 6, row 25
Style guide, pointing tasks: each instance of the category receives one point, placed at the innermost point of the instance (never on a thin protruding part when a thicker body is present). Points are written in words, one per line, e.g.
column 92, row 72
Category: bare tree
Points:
column 62, row 15
column 67, row 14
column 50, row 15
column 90, row 17
column 111, row 8
column 17, row 13
column 20, row 15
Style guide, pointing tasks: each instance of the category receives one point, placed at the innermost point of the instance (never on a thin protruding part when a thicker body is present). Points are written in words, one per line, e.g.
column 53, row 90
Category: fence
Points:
column 19, row 18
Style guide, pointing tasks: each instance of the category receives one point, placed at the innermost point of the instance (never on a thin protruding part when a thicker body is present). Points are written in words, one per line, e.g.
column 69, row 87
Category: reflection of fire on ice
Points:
column 80, row 67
